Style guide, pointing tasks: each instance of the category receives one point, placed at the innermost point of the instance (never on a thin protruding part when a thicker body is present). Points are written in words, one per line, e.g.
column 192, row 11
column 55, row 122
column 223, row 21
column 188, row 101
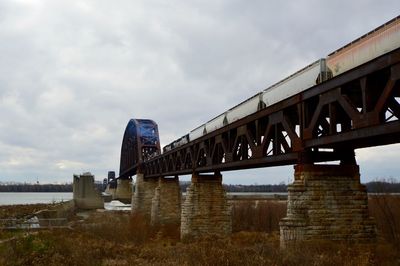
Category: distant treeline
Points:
column 383, row 187
column 36, row 188
column 39, row 187
column 256, row 188
column 372, row 187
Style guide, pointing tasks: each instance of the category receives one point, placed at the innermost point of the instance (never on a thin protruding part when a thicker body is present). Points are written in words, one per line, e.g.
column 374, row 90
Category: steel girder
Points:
column 360, row 108
column 141, row 142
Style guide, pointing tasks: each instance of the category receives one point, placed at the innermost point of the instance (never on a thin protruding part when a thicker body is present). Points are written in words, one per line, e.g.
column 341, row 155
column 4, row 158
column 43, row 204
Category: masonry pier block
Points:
column 123, row 192
column 166, row 203
column 110, row 190
column 85, row 195
column 205, row 210
column 327, row 202
column 143, row 195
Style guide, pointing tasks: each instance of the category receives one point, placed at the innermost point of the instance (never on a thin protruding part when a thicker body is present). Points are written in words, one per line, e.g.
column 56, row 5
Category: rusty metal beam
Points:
column 332, row 106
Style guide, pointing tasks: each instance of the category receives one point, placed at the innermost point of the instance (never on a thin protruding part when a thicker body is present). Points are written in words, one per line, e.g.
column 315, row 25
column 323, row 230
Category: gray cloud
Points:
column 72, row 73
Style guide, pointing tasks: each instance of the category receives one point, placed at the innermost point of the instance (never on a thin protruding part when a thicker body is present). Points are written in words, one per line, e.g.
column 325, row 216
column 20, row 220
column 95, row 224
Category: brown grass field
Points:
column 117, row 238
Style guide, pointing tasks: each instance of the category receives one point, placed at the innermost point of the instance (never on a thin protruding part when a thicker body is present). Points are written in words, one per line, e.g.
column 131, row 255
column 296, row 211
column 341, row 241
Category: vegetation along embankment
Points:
column 118, row 238
column 372, row 187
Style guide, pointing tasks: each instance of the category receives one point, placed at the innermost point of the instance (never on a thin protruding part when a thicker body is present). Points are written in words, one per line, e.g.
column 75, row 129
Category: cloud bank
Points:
column 72, row 73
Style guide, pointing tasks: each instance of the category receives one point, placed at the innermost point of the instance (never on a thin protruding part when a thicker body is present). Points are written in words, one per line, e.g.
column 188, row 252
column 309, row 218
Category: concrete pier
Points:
column 143, row 196
column 327, row 202
column 110, row 190
column 84, row 193
column 205, row 210
column 166, row 203
column 123, row 192
column 111, row 187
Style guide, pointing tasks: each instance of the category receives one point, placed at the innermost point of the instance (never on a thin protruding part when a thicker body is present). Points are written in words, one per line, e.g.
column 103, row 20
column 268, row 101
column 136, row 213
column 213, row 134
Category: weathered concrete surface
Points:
column 110, row 191
column 123, row 192
column 205, row 210
column 327, row 202
column 143, row 195
column 166, row 203
column 85, row 195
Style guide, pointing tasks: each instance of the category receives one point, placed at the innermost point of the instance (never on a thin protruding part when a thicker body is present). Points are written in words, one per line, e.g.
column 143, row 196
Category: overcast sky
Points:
column 72, row 74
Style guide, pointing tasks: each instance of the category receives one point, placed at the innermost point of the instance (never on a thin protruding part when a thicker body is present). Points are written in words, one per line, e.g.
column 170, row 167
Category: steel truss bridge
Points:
column 359, row 108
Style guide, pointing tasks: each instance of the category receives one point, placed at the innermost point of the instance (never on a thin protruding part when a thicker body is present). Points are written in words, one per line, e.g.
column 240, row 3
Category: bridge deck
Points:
column 359, row 108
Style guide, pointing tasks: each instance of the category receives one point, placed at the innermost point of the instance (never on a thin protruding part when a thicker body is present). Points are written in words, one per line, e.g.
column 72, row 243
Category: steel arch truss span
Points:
column 141, row 142
column 360, row 108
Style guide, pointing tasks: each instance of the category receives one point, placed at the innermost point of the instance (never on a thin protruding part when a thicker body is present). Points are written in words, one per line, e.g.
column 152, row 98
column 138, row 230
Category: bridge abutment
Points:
column 166, row 203
column 144, row 193
column 85, row 195
column 205, row 210
column 327, row 202
column 123, row 192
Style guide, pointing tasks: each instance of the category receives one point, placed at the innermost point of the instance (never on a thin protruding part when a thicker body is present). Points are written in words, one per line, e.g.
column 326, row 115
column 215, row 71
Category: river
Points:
column 13, row 198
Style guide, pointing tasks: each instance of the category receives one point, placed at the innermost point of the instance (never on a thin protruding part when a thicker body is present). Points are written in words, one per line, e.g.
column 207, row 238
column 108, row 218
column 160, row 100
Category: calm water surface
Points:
column 13, row 198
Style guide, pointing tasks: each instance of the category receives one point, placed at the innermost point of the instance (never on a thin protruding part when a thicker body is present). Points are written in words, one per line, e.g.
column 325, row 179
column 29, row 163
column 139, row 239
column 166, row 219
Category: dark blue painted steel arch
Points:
column 141, row 142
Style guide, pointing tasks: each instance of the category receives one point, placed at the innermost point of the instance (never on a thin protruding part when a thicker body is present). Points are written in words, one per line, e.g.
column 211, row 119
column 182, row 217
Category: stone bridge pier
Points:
column 143, row 196
column 166, row 202
column 205, row 210
column 123, row 192
column 85, row 195
column 327, row 202
column 157, row 199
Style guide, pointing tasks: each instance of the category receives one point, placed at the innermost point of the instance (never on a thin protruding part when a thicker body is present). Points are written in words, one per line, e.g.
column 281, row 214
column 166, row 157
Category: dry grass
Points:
column 20, row 211
column 386, row 211
column 121, row 239
column 243, row 248
column 257, row 216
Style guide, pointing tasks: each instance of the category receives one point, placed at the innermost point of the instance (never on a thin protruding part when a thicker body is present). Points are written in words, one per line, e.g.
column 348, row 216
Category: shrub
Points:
column 260, row 215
